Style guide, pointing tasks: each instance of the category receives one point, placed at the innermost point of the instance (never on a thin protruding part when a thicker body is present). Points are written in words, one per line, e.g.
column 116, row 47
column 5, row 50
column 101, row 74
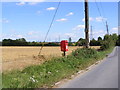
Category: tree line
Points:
column 113, row 39
column 23, row 42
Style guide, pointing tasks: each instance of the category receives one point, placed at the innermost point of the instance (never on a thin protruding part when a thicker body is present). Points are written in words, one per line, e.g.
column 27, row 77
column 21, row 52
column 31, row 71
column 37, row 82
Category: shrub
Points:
column 108, row 42
column 84, row 53
column 105, row 45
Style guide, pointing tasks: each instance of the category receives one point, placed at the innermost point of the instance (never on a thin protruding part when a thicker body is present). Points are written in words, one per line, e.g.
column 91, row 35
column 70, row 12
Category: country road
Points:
column 103, row 75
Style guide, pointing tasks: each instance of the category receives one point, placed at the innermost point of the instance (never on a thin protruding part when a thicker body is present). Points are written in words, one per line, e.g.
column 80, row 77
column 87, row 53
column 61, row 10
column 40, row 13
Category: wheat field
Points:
column 15, row 57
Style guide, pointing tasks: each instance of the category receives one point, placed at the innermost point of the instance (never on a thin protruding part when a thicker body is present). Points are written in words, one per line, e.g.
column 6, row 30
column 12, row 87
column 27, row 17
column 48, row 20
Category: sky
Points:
column 31, row 20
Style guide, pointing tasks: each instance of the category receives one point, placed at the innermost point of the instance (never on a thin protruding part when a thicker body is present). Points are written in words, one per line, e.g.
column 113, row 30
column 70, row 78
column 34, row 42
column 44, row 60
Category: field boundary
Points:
column 27, row 56
column 53, row 71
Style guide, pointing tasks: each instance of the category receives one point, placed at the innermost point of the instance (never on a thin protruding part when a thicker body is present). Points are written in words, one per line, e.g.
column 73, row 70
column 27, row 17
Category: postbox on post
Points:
column 64, row 46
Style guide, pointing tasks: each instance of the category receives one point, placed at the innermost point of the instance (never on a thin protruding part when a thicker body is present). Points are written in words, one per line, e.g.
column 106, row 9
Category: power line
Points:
column 102, row 9
column 107, row 29
column 99, row 12
column 50, row 26
column 105, row 23
column 98, row 8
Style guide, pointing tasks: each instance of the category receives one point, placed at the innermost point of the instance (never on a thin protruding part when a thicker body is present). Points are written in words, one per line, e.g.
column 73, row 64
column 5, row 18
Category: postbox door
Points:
column 64, row 45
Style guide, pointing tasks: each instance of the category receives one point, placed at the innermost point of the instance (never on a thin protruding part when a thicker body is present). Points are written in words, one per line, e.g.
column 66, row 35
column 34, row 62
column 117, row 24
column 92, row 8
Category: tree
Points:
column 109, row 41
column 81, row 42
column 70, row 39
column 99, row 39
column 21, row 39
column 118, row 41
column 94, row 42
column 6, row 42
column 17, row 42
column 114, row 37
column 106, row 37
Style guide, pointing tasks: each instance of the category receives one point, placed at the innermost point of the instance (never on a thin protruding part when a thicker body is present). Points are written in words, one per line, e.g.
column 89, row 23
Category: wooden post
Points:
column 64, row 54
column 86, row 24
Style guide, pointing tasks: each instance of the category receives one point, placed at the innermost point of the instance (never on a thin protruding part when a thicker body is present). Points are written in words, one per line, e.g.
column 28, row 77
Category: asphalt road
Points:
column 103, row 75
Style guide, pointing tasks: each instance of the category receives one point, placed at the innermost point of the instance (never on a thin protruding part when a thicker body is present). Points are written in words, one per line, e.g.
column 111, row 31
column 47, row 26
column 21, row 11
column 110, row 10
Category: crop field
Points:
column 21, row 57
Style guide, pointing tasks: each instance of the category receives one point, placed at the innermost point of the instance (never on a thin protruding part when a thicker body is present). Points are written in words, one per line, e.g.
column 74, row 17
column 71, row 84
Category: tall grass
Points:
column 50, row 72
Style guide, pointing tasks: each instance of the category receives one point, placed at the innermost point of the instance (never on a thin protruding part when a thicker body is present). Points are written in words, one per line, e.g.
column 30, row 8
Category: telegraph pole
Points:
column 86, row 24
column 91, row 33
column 59, row 38
column 107, row 28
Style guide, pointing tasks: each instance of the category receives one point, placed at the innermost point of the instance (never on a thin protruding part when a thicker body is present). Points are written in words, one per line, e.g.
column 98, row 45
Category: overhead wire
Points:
column 104, row 16
column 99, row 12
column 50, row 26
column 102, row 9
column 104, row 22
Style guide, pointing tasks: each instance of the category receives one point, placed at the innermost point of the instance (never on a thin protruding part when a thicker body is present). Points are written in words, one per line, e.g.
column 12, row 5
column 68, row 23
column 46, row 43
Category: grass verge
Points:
column 50, row 72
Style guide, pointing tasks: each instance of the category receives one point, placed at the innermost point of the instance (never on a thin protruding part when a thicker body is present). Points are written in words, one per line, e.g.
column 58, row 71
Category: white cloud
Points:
column 19, row 36
column 114, row 30
column 20, row 3
column 101, row 33
column 70, row 14
column 90, row 19
column 24, row 3
column 12, row 36
column 78, row 27
column 29, row 2
column 119, row 30
column 38, row 12
column 98, row 33
column 35, row 0
column 32, row 33
column 33, row 3
column 51, row 8
column 35, row 35
column 83, row 19
column 100, row 19
column 4, row 20
column 62, row 20
column 70, row 34
column 65, row 0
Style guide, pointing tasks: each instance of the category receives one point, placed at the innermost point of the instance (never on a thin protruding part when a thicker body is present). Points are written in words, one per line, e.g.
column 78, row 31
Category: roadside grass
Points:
column 52, row 71
column 0, row 81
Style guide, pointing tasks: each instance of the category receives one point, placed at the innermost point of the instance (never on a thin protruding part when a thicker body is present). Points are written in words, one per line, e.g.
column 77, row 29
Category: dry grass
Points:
column 20, row 57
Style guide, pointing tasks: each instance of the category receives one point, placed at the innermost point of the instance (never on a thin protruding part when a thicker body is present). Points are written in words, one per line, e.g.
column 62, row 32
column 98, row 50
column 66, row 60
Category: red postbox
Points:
column 64, row 45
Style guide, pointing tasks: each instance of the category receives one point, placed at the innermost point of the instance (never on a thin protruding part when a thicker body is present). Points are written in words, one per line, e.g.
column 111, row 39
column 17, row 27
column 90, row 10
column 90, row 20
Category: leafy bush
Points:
column 105, row 45
column 84, row 53
column 108, row 42
column 94, row 42
column 118, row 41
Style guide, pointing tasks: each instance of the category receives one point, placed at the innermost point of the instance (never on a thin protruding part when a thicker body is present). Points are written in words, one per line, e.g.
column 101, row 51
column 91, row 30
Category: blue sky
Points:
column 31, row 20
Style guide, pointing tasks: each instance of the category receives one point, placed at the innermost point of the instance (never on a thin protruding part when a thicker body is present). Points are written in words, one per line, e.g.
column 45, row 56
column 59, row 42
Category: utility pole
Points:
column 107, row 28
column 91, row 33
column 86, row 24
column 59, row 39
